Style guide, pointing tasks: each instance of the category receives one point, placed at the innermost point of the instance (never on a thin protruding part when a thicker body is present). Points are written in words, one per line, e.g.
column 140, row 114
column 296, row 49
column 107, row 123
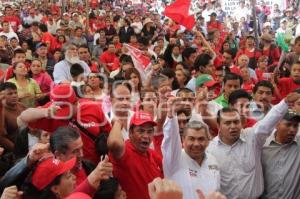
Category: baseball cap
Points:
column 292, row 115
column 213, row 14
column 78, row 195
column 40, row 44
column 140, row 118
column 47, row 170
column 63, row 93
column 205, row 80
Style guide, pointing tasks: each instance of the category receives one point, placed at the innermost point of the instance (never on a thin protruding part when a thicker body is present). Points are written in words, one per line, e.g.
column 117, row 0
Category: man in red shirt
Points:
column 135, row 164
column 213, row 24
column 63, row 110
column 13, row 20
column 108, row 58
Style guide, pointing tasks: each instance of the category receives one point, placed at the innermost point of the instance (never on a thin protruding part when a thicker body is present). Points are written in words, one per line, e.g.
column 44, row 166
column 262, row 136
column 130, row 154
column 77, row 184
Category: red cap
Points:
column 48, row 170
column 63, row 93
column 141, row 117
column 210, row 83
column 78, row 195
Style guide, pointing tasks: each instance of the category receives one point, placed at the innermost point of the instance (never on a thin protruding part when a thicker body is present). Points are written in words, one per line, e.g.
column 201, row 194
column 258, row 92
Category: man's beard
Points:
column 72, row 59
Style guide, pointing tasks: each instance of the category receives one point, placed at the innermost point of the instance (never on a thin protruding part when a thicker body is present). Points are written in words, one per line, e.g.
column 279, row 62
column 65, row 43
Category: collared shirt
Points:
column 281, row 167
column 222, row 101
column 240, row 163
column 181, row 168
column 256, row 112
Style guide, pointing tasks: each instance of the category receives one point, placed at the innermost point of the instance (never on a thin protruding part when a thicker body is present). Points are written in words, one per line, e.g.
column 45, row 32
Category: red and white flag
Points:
column 179, row 12
column 141, row 62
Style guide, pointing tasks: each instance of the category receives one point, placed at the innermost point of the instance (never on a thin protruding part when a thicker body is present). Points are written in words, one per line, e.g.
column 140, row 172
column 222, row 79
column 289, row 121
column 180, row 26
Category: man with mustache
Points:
column 238, row 151
column 281, row 160
column 135, row 164
column 262, row 98
column 187, row 163
column 61, row 71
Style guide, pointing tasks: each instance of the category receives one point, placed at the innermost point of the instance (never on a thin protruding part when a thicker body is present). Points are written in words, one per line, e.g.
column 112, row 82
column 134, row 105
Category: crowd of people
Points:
column 113, row 100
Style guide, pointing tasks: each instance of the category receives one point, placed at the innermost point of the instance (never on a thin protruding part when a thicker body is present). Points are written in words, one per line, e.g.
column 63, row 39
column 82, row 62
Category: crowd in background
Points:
column 114, row 100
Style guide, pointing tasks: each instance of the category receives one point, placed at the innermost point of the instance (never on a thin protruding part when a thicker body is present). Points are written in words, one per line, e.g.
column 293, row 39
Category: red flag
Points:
column 140, row 61
column 179, row 12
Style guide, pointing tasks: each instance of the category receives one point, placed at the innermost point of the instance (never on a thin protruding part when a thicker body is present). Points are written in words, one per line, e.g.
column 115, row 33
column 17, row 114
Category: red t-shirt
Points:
column 274, row 54
column 286, row 85
column 90, row 116
column 214, row 25
column 108, row 58
column 249, row 85
column 13, row 21
column 235, row 69
column 135, row 171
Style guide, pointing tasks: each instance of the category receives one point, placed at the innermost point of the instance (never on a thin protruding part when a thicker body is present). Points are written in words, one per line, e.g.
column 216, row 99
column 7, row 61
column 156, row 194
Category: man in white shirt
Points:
column 238, row 151
column 7, row 32
column 61, row 73
column 191, row 167
column 242, row 12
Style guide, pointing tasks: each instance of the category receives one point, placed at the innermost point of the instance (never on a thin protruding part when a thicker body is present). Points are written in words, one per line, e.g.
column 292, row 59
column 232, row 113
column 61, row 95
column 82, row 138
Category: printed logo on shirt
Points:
column 213, row 167
column 193, row 173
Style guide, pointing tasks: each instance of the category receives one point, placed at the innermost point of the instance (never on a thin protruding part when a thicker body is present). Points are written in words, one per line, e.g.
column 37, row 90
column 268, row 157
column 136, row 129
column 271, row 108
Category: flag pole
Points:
column 253, row 3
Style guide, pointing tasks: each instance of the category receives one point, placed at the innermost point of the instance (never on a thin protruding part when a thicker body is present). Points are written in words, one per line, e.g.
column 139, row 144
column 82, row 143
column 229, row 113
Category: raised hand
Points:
column 102, row 172
column 37, row 152
column 213, row 195
column 164, row 189
column 11, row 193
column 291, row 98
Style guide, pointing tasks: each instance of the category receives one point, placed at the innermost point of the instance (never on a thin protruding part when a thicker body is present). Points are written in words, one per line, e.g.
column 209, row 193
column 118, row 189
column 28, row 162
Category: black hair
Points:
column 224, row 110
column 232, row 76
column 19, row 51
column 171, row 74
column 7, row 85
column 263, row 83
column 237, row 94
column 61, row 138
column 186, row 53
column 201, row 61
column 125, row 59
column 30, row 191
column 230, row 52
column 184, row 90
column 297, row 39
column 144, row 41
column 296, row 90
column 76, row 69
column 43, row 27
column 107, row 189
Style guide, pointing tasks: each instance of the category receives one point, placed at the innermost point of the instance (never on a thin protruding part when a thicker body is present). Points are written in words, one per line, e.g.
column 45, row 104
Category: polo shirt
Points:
column 181, row 168
column 136, row 170
column 222, row 101
column 240, row 163
column 281, row 165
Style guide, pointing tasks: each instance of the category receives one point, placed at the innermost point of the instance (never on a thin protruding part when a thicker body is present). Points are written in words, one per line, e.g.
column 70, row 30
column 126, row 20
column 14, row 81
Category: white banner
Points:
column 230, row 6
